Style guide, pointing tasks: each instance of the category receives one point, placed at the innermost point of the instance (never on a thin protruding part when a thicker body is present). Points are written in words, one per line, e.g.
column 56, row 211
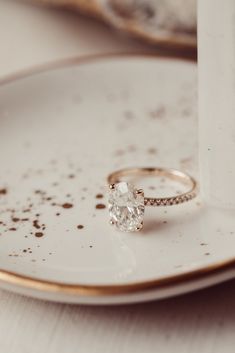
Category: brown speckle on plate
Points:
column 67, row 205
column 38, row 234
column 152, row 150
column 99, row 196
column 3, row 191
column 36, row 224
column 80, row 226
column 100, row 206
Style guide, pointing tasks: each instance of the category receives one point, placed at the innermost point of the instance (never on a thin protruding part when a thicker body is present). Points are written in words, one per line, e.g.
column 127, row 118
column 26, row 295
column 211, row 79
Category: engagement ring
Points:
column 127, row 203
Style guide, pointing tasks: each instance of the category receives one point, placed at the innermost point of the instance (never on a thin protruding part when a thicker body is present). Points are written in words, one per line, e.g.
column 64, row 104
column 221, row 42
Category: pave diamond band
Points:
column 127, row 203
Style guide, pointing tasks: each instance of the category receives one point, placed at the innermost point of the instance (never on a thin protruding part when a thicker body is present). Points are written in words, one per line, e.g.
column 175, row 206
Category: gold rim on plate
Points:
column 13, row 278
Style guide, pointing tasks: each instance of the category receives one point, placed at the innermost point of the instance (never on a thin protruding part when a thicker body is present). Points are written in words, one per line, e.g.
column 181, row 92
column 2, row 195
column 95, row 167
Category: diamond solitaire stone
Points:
column 126, row 207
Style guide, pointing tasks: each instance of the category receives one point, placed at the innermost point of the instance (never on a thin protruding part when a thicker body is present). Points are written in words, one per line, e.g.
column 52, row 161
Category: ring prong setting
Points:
column 140, row 192
column 140, row 226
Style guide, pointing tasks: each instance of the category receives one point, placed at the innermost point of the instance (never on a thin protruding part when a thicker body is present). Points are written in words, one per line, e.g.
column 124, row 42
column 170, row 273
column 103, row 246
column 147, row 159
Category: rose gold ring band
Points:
column 169, row 173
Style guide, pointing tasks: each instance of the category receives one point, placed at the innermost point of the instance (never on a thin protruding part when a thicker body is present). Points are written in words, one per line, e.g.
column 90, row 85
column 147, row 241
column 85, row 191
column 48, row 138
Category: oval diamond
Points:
column 126, row 207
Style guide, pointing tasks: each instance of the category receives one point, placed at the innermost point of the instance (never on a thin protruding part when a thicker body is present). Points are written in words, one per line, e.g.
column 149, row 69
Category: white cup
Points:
column 216, row 68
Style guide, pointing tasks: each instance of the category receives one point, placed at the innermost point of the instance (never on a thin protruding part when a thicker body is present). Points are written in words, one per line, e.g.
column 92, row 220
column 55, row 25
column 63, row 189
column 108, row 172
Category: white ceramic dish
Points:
column 63, row 128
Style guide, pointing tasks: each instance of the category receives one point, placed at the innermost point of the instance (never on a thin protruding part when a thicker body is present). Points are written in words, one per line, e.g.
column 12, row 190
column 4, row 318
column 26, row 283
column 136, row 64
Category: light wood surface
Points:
column 202, row 322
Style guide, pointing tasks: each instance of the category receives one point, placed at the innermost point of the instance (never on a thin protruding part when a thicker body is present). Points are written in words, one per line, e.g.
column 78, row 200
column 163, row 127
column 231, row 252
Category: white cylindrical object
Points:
column 216, row 67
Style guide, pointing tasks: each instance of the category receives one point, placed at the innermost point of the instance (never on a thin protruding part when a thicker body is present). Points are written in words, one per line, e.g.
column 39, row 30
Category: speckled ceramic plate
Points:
column 63, row 128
